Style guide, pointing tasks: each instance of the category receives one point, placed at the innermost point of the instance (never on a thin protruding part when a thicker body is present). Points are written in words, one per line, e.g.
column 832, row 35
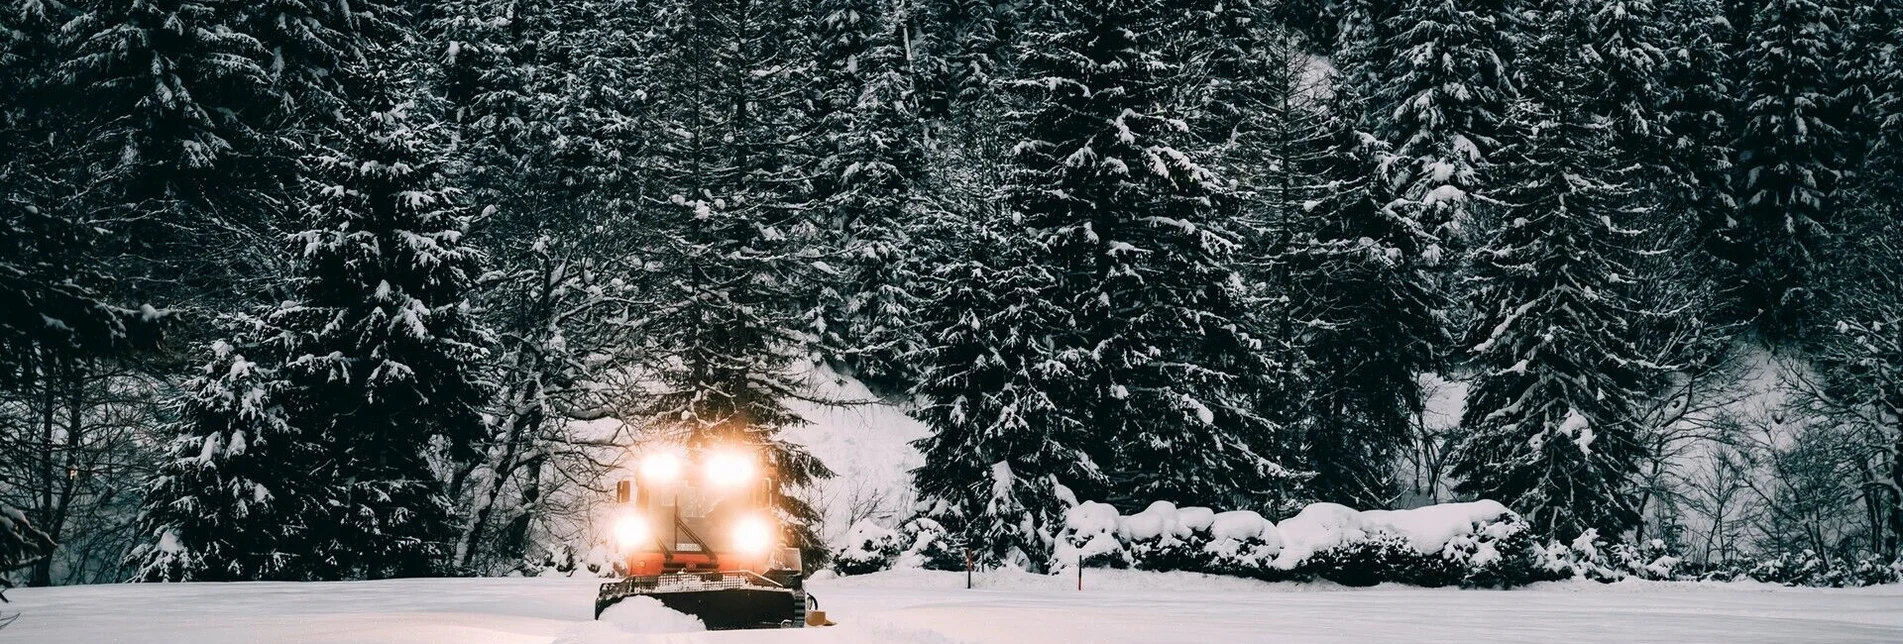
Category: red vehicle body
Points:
column 698, row 533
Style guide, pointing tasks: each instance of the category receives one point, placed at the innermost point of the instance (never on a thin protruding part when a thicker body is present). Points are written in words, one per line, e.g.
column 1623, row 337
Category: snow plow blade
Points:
column 734, row 602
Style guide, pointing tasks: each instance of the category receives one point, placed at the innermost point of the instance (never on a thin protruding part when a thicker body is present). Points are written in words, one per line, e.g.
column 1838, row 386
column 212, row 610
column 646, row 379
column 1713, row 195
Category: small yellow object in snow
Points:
column 817, row 618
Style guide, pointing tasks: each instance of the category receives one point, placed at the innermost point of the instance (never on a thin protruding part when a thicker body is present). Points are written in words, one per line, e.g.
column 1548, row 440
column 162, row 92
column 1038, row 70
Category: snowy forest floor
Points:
column 935, row 608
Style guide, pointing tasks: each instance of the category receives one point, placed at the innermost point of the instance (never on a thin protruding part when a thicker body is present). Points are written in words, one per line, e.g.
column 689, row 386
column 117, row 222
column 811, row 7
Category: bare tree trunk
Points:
column 43, row 568
column 521, row 425
column 1893, row 541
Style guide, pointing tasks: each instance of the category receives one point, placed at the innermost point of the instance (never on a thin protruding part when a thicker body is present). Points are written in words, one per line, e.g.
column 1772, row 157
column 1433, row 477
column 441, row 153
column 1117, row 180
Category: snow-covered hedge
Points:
column 1808, row 569
column 1474, row 544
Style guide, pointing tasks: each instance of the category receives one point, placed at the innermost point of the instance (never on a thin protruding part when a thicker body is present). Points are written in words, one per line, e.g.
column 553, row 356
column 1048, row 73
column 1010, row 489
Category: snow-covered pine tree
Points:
column 733, row 240
column 871, row 169
column 58, row 303
column 167, row 83
column 1444, row 95
column 235, row 499
column 1883, row 168
column 306, row 43
column 170, row 104
column 382, row 349
column 1698, row 115
column 1865, row 57
column 1853, row 343
column 1790, row 155
column 56, row 292
column 243, row 493
column 1629, row 42
column 1166, row 372
column 1549, row 428
column 553, row 158
column 844, row 33
column 1258, row 123
column 1003, row 456
column 1363, row 290
column 961, row 48
column 1364, row 308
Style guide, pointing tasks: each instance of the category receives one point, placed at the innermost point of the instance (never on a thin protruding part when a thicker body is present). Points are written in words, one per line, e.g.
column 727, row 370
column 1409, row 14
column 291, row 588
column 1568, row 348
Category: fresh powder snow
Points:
column 924, row 607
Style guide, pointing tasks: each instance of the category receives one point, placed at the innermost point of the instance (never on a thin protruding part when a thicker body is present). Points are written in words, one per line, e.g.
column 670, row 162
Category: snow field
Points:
column 923, row 607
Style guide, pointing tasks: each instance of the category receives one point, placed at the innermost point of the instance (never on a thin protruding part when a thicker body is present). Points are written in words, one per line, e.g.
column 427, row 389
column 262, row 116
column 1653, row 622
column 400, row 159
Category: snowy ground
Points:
column 934, row 608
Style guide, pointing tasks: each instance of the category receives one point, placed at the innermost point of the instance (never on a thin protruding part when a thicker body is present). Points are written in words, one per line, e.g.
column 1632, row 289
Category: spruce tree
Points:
column 1628, row 41
column 1550, row 424
column 386, row 343
column 1852, row 344
column 60, row 300
column 363, row 381
column 963, row 49
column 1166, row 368
column 169, row 81
column 1699, row 113
column 306, row 44
column 553, row 159
column 58, row 294
column 1373, row 324
column 1003, row 456
column 1365, row 288
column 871, row 166
column 1790, row 155
column 1258, row 125
column 230, row 503
column 1443, row 97
column 173, row 103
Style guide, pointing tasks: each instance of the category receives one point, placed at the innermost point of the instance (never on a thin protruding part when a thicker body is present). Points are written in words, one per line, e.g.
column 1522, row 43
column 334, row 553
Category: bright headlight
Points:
column 661, row 466
column 752, row 535
column 631, row 532
column 728, row 468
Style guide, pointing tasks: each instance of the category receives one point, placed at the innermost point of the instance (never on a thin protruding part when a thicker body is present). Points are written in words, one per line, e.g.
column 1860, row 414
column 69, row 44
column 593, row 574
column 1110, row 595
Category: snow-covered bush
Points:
column 1589, row 557
column 1650, row 560
column 1503, row 554
column 1806, row 568
column 563, row 560
column 1875, row 571
column 1318, row 527
column 1478, row 544
column 1586, row 557
column 1091, row 537
column 928, row 545
column 1242, row 543
column 1379, row 558
column 869, row 547
column 1164, row 538
column 1801, row 569
column 1473, row 544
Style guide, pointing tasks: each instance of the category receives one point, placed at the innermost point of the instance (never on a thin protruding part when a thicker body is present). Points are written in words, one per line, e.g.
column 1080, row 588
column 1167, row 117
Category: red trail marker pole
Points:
column 967, row 567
